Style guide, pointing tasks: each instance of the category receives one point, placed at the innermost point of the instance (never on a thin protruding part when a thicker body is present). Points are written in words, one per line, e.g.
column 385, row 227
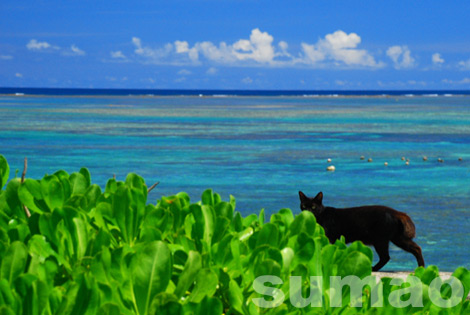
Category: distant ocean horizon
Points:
column 263, row 147
column 221, row 93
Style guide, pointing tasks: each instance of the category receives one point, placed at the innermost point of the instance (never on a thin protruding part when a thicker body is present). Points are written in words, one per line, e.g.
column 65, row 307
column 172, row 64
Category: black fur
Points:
column 373, row 225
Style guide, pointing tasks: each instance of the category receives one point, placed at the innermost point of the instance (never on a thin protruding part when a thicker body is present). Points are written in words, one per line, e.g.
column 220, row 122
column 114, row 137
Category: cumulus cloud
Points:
column 258, row 48
column 18, row 75
column 341, row 48
column 117, row 55
column 463, row 81
column 437, row 59
column 153, row 55
column 35, row 45
column 464, row 65
column 182, row 47
column 73, row 51
column 247, row 80
column 6, row 57
column 212, row 71
column 184, row 72
column 401, row 57
column 283, row 46
column 220, row 54
column 335, row 49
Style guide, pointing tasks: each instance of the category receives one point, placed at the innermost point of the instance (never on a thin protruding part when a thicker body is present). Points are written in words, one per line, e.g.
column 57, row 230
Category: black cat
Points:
column 373, row 225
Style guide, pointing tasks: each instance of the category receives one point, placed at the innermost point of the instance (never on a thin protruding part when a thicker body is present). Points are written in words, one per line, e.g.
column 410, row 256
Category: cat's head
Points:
column 313, row 205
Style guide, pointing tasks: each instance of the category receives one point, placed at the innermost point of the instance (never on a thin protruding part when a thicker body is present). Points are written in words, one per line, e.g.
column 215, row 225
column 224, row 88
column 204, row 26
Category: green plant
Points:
column 88, row 251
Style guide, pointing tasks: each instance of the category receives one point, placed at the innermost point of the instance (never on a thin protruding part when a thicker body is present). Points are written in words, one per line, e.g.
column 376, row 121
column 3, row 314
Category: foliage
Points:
column 88, row 251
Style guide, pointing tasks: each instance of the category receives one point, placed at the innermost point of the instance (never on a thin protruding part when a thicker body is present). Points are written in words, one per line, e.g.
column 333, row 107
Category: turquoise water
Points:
column 263, row 150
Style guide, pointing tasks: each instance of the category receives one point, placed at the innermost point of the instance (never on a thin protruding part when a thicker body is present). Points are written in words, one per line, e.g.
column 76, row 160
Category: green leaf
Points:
column 205, row 221
column 207, row 197
column 39, row 248
column 86, row 173
column 165, row 304
column 303, row 222
column 81, row 237
column 269, row 235
column 187, row 277
column 355, row 263
column 224, row 209
column 267, row 267
column 206, row 285
column 30, row 194
column 12, row 200
column 235, row 296
column 64, row 179
column 4, row 171
column 92, row 195
column 150, row 271
column 464, row 276
column 14, row 262
column 208, row 306
column 122, row 213
column 110, row 309
column 53, row 192
column 359, row 246
column 78, row 183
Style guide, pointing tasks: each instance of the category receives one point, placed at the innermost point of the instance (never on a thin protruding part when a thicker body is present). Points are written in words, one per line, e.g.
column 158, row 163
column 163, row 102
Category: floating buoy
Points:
column 440, row 160
column 460, row 159
column 331, row 168
column 369, row 160
column 329, row 160
column 402, row 158
column 407, row 163
column 362, row 157
column 386, row 163
column 425, row 158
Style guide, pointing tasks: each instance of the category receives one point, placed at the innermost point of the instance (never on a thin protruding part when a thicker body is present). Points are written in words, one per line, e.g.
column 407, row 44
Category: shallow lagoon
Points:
column 264, row 149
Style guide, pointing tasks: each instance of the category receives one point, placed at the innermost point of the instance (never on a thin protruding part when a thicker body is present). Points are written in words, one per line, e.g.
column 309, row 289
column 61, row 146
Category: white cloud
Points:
column 117, row 55
column 184, row 72
column 258, row 48
column 247, row 80
column 401, row 57
column 74, row 51
column 153, row 55
column 463, row 81
column 335, row 49
column 283, row 46
column 6, row 57
column 221, row 54
column 437, row 59
column 313, row 54
column 212, row 71
column 341, row 48
column 18, row 75
column 182, row 47
column 464, row 65
column 35, row 45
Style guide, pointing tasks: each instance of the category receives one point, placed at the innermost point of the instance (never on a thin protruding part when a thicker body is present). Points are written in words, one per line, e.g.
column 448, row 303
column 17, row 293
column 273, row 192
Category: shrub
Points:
column 87, row 251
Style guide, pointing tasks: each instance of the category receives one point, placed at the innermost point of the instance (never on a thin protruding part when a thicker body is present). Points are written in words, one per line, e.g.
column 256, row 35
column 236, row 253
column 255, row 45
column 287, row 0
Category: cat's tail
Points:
column 409, row 230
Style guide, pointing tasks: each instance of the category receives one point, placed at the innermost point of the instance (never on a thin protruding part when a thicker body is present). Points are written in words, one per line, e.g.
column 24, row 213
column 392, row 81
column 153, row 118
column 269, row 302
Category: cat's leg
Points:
column 410, row 246
column 382, row 250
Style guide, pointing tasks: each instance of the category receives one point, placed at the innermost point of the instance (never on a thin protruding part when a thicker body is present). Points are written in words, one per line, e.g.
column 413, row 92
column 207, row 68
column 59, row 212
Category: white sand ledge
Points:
column 403, row 274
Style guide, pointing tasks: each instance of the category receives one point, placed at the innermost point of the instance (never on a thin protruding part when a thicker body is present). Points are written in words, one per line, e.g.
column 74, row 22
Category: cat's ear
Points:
column 318, row 198
column 302, row 196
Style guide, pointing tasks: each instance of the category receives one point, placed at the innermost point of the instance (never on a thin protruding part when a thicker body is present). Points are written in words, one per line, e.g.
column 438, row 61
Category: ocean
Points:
column 263, row 147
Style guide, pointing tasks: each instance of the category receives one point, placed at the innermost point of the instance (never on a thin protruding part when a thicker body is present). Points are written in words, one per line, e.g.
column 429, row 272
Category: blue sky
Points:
column 225, row 44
